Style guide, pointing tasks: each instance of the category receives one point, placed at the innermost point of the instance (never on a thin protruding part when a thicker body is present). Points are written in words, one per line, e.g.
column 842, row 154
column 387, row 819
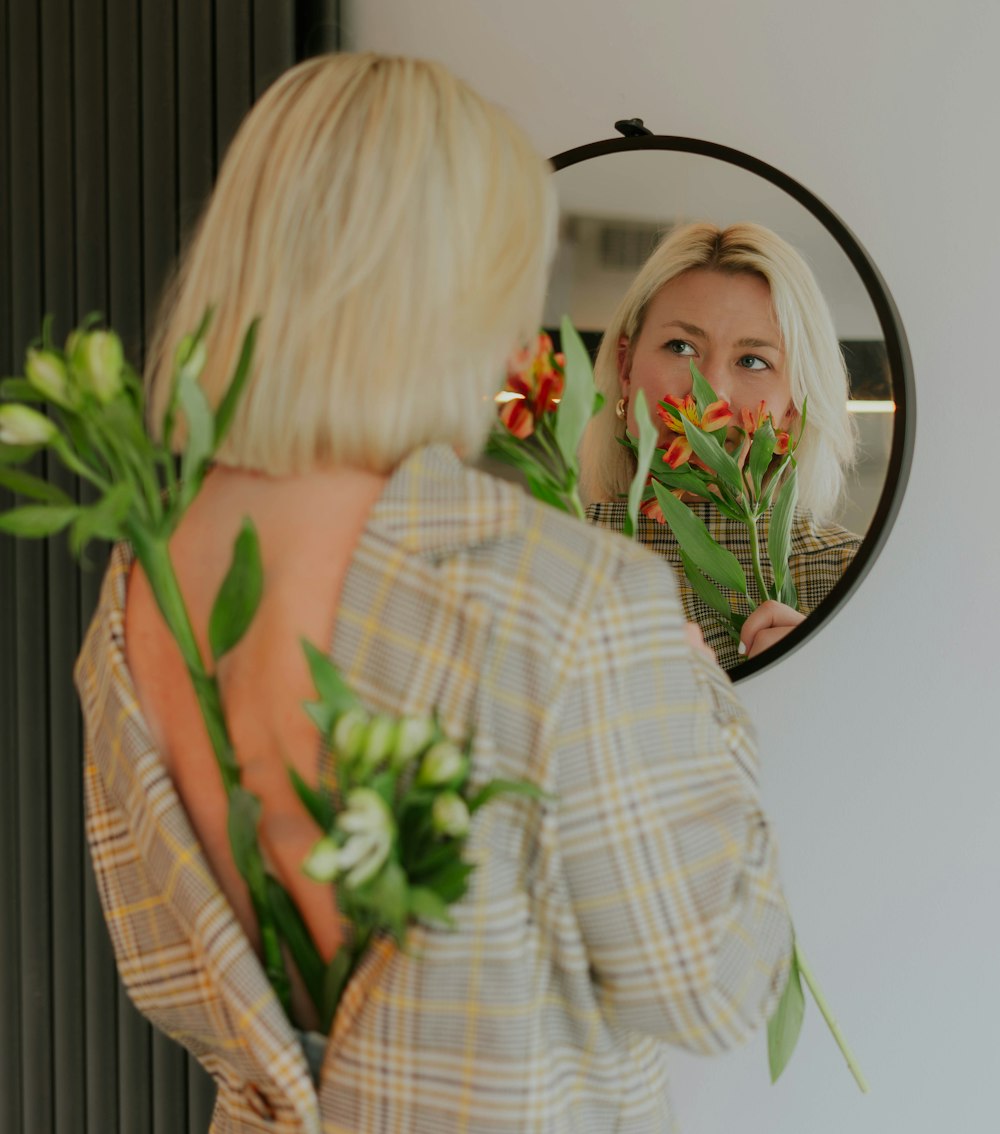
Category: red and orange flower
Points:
column 535, row 380
column 716, row 416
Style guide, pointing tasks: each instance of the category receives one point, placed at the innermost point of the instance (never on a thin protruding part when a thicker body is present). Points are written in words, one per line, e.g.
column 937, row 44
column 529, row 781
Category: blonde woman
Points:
column 742, row 304
column 392, row 230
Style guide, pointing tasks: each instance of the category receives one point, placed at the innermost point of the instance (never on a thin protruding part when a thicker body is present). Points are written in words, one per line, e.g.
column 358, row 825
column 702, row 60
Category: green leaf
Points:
column 293, row 930
column 450, row 881
column 230, row 400
column 703, row 393
column 200, row 443
column 779, row 533
column 335, row 694
column 761, row 451
column 36, row 487
column 648, row 434
column 103, row 520
column 244, row 815
column 388, row 896
column 577, row 402
column 239, row 596
column 19, row 390
column 429, row 906
column 704, row 588
column 788, row 593
column 317, row 803
column 37, row 520
column 711, row 558
column 784, row 1026
column 715, row 456
column 506, row 787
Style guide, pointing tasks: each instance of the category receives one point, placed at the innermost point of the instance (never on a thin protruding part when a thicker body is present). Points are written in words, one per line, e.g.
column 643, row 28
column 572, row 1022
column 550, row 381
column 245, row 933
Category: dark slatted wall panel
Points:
column 113, row 117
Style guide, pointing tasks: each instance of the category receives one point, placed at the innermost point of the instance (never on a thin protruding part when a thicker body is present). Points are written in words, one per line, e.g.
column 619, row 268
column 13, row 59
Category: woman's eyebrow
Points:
column 690, row 328
column 756, row 343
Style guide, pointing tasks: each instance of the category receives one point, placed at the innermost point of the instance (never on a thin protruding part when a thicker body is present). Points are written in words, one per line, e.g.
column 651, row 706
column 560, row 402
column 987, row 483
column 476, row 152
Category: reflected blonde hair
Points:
column 812, row 355
column 393, row 230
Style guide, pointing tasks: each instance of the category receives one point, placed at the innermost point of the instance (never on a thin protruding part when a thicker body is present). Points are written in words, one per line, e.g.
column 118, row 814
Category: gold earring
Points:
column 621, row 408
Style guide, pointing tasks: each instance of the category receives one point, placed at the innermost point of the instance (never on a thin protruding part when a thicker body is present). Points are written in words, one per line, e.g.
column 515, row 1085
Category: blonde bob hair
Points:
column 393, row 231
column 812, row 353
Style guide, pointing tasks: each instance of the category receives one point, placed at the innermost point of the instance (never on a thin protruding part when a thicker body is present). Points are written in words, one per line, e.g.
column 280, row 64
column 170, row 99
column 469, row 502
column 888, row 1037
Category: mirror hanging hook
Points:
column 632, row 128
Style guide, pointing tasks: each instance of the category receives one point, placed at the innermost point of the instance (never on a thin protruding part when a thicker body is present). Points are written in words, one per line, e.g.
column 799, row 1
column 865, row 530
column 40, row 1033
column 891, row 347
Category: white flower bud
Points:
column 47, row 372
column 366, row 814
column 97, row 362
column 414, row 734
column 441, row 764
column 379, row 739
column 450, row 815
column 349, row 733
column 323, row 862
column 20, row 425
column 370, row 825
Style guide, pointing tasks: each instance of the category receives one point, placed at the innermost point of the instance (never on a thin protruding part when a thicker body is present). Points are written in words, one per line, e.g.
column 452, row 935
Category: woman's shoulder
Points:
column 813, row 536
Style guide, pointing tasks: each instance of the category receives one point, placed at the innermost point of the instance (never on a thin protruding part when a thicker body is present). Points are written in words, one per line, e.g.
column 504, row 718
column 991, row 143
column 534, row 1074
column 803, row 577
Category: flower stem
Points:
column 831, row 1023
column 758, row 573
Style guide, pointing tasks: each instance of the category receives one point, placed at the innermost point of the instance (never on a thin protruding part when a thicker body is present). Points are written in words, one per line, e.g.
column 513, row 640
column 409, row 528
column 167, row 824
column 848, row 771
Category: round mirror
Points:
column 619, row 197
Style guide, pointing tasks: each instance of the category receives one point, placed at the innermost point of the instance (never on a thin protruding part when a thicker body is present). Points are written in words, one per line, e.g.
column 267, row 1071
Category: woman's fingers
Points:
column 766, row 626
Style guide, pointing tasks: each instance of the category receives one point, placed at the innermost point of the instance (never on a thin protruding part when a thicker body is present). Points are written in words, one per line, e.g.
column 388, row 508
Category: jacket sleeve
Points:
column 669, row 859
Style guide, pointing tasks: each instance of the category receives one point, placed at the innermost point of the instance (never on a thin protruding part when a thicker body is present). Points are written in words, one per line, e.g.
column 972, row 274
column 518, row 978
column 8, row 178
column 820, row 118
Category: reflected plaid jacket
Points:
column 637, row 909
column 820, row 554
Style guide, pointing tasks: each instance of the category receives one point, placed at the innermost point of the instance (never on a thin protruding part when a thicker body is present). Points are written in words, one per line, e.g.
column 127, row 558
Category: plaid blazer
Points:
column 640, row 907
column 820, row 553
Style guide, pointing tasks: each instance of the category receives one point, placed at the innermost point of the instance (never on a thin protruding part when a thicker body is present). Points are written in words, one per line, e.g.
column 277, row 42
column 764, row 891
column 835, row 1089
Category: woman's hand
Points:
column 766, row 626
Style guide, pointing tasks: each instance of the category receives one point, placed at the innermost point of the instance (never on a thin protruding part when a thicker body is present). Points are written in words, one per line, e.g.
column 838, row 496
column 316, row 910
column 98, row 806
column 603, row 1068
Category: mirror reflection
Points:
column 616, row 209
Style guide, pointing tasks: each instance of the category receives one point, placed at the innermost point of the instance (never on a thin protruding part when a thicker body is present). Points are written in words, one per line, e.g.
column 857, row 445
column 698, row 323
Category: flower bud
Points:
column 413, row 736
column 378, row 743
column 450, row 815
column 349, row 734
column 441, row 764
column 322, row 864
column 47, row 373
column 97, row 362
column 20, row 425
column 369, row 823
column 366, row 814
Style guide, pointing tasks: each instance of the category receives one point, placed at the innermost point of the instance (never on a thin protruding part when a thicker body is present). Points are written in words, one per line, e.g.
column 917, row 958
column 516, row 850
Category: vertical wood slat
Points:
column 113, row 117
column 10, row 897
column 66, row 805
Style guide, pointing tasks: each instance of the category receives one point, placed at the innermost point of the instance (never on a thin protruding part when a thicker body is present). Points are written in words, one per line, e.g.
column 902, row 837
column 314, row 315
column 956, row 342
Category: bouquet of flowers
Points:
column 746, row 468
column 391, row 834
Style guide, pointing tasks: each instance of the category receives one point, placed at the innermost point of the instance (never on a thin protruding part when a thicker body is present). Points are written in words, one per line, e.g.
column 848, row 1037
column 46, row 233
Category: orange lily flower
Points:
column 783, row 442
column 715, row 416
column 751, row 421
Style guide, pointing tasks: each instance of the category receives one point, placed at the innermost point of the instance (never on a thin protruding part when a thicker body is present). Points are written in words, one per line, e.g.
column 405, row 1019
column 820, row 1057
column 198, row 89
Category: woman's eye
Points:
column 679, row 346
column 753, row 362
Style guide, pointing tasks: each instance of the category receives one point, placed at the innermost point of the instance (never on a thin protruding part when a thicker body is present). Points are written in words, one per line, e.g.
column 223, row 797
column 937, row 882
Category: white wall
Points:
column 879, row 737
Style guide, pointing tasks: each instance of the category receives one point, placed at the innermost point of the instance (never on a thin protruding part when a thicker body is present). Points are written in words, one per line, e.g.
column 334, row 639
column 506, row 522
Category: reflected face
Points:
column 724, row 322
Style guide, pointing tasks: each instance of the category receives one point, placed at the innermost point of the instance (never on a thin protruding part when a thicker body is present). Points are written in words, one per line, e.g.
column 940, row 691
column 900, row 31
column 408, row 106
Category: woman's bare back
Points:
column 308, row 527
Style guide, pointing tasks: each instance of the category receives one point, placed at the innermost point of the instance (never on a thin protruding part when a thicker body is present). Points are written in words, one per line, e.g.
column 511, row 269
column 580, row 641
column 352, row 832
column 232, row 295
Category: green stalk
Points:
column 758, row 573
column 154, row 555
column 831, row 1023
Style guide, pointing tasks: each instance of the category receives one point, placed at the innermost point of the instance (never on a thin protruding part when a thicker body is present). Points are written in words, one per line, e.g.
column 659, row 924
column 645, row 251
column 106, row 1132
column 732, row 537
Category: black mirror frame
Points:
column 897, row 351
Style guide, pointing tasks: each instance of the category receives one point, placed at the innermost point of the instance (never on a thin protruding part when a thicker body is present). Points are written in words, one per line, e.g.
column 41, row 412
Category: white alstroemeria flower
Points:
column 47, row 373
column 20, row 425
column 414, row 734
column 98, row 360
column 349, row 733
column 450, row 815
column 369, row 823
column 441, row 764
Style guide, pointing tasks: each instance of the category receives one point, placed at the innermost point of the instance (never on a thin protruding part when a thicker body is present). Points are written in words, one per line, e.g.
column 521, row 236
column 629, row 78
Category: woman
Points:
column 743, row 305
column 393, row 232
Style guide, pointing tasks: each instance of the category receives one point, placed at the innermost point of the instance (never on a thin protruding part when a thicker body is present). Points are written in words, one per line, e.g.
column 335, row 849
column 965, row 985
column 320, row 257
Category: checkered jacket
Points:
column 820, row 552
column 637, row 908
